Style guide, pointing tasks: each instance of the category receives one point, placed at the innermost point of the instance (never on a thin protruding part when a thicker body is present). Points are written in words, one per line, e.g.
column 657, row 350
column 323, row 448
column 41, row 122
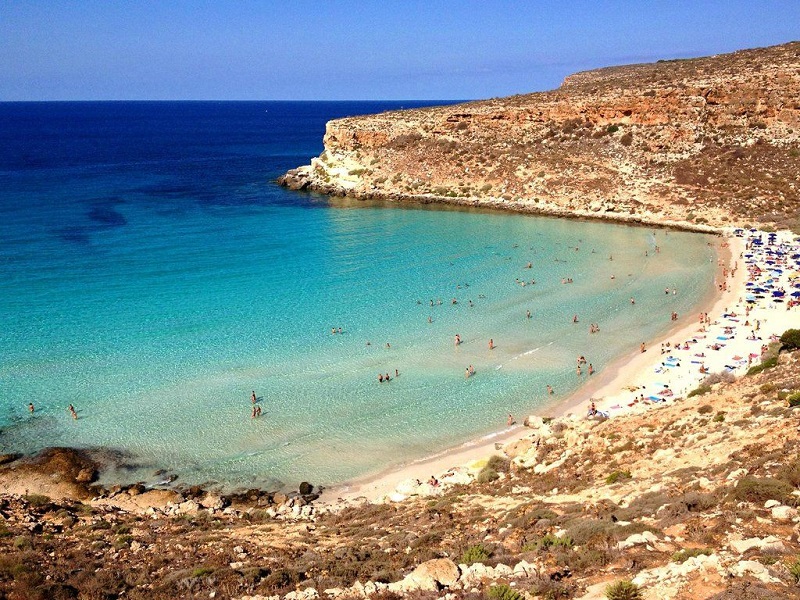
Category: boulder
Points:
column 136, row 489
column 430, row 576
column 784, row 513
column 754, row 569
column 768, row 543
column 306, row 488
column 442, row 570
column 211, row 500
column 518, row 448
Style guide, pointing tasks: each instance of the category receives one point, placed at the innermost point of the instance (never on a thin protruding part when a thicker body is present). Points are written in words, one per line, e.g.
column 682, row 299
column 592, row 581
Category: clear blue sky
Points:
column 346, row 49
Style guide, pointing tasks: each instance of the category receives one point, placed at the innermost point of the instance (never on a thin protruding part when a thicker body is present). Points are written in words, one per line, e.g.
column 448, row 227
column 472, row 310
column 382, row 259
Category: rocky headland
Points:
column 699, row 143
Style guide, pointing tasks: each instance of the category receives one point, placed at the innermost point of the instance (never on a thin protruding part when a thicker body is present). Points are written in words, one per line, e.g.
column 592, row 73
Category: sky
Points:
column 355, row 50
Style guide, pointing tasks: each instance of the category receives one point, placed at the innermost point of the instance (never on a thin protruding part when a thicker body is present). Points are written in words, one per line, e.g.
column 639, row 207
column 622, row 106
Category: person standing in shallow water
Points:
column 253, row 397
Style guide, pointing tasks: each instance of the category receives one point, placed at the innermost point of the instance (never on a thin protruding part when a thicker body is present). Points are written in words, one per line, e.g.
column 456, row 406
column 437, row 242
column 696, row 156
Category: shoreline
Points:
column 472, row 454
column 381, row 484
column 645, row 219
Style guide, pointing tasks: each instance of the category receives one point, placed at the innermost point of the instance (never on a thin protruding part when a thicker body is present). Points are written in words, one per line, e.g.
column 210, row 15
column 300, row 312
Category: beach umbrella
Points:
column 795, row 294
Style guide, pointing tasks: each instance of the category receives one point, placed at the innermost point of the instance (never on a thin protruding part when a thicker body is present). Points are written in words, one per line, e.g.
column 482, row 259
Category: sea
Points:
column 154, row 276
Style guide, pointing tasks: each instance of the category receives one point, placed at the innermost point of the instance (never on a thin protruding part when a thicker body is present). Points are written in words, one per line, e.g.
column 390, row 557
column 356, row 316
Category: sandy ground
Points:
column 636, row 382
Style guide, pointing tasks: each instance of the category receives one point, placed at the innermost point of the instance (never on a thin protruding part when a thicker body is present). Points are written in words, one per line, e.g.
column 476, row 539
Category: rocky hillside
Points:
column 708, row 141
column 692, row 500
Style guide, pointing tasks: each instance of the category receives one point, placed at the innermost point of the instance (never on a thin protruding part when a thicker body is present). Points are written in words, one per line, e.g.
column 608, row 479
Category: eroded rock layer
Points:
column 707, row 142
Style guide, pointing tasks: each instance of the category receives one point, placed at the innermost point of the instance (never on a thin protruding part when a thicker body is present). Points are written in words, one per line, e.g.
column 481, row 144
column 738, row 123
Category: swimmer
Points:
column 491, row 344
column 458, row 339
column 528, row 315
column 574, row 318
column 550, row 391
column 591, row 369
column 510, row 420
column 30, row 407
column 253, row 397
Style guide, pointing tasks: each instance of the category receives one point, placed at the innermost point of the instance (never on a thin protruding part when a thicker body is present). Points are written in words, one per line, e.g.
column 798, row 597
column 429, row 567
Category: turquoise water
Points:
column 156, row 314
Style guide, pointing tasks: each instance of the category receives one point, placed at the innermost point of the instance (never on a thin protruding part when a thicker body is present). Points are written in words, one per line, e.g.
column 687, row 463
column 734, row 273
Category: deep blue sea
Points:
column 153, row 275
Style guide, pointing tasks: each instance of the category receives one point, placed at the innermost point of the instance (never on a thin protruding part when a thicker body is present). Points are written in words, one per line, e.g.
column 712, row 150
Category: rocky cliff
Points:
column 709, row 141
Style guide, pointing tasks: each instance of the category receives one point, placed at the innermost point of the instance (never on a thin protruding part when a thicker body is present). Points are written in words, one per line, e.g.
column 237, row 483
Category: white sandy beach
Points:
column 741, row 322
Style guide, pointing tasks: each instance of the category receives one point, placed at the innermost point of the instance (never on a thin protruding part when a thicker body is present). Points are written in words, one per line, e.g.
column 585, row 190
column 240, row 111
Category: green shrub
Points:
column 474, row 554
column 794, row 569
column 617, row 476
column 767, row 363
column 701, row 390
column 761, row 489
column 486, row 475
column 790, row 339
column 22, row 542
column 706, row 409
column 552, row 541
column 202, row 571
column 503, row 592
column 612, row 129
column 719, row 417
column 790, row 473
column 793, row 399
column 687, row 553
column 623, row 590
column 38, row 499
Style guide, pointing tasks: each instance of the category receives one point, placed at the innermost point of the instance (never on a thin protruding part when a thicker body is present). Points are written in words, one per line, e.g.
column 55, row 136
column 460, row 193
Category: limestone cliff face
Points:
column 709, row 141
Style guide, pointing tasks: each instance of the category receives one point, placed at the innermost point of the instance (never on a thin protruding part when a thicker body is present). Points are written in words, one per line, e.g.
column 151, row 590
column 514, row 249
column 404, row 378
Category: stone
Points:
column 306, row 488
column 754, row 569
column 768, row 543
column 784, row 513
column 7, row 458
column 442, row 570
column 214, row 501
column 771, row 504
column 189, row 506
column 136, row 489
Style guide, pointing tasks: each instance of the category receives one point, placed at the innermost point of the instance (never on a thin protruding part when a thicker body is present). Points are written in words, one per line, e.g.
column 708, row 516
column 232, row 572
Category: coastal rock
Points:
column 7, row 458
column 213, row 501
column 306, row 488
column 648, row 143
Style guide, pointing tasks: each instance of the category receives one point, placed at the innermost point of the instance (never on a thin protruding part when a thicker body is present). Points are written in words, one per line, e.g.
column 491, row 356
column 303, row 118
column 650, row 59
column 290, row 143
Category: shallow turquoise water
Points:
column 155, row 311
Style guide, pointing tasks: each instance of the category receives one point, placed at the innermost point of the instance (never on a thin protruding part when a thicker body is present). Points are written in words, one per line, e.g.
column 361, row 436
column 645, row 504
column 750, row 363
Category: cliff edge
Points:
column 706, row 142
